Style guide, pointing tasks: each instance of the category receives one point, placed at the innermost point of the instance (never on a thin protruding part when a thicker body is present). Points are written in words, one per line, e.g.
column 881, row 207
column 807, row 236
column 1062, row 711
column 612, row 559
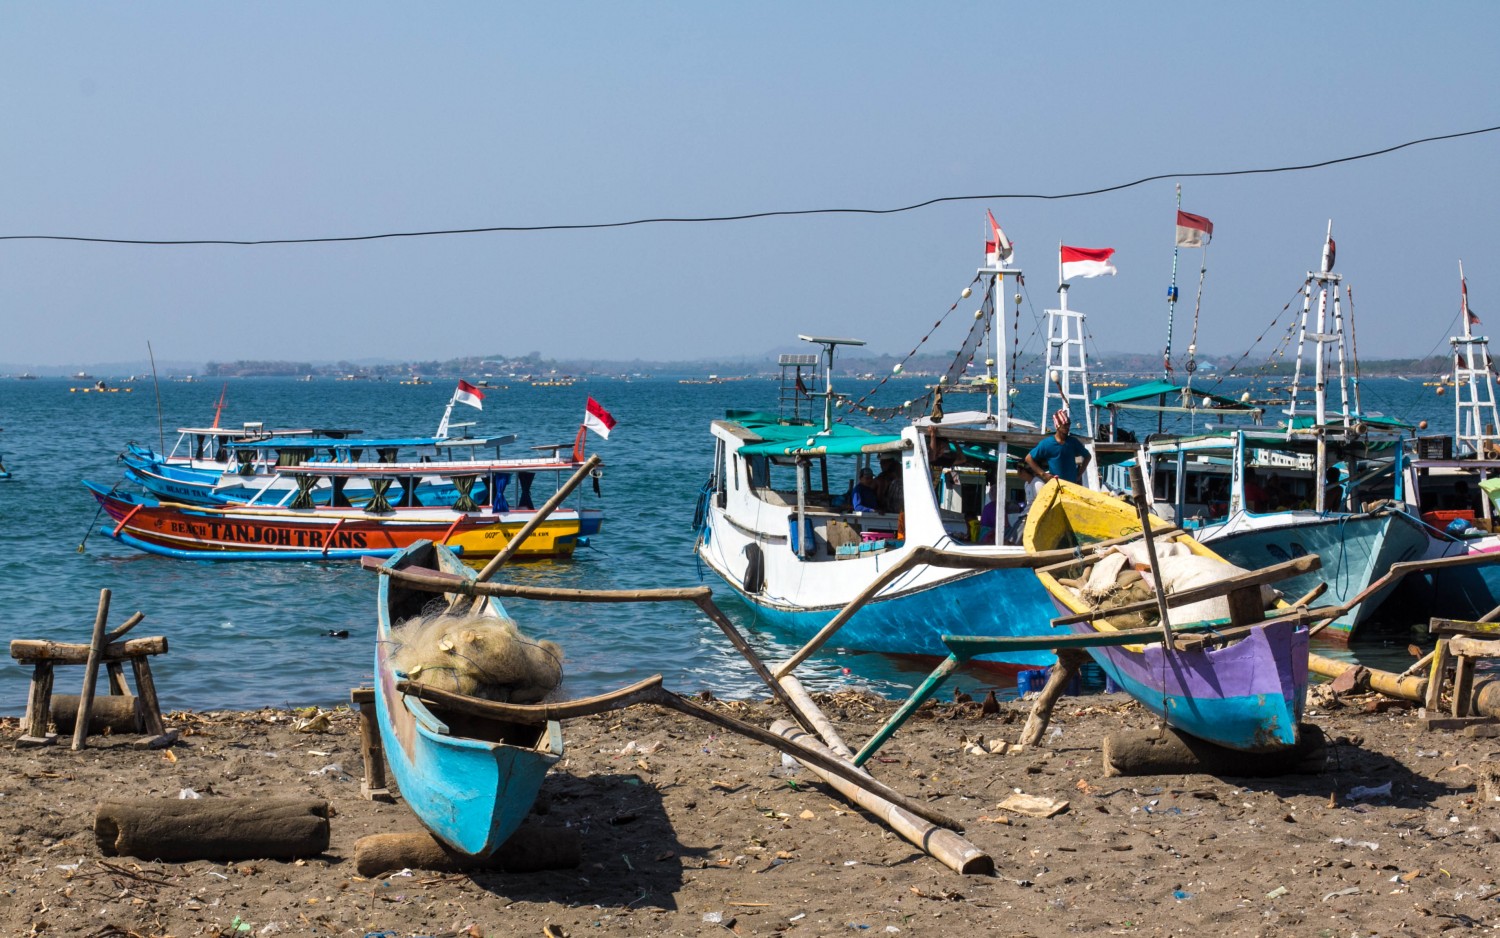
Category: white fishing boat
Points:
column 782, row 522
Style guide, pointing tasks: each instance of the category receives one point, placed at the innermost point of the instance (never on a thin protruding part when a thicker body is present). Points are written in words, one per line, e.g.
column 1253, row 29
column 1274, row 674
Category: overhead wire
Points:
column 749, row 216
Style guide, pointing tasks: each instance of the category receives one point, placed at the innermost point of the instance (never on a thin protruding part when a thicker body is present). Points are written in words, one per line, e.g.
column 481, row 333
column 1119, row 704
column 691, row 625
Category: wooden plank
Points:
column 1439, row 626
column 1473, row 647
column 27, row 650
column 39, row 703
column 1246, row 606
column 971, row 646
column 145, row 686
column 1095, row 553
column 374, row 786
column 1271, row 574
column 1463, row 682
column 648, row 690
column 1435, row 676
column 1454, row 723
column 1222, row 636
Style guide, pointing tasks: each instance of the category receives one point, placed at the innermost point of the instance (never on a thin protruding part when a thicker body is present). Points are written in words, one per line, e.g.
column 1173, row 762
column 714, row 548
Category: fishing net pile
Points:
column 1123, row 577
column 479, row 656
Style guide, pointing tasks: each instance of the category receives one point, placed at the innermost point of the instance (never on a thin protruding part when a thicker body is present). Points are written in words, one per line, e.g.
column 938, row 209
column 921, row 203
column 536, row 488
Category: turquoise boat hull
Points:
column 1006, row 602
column 1356, row 550
column 470, row 781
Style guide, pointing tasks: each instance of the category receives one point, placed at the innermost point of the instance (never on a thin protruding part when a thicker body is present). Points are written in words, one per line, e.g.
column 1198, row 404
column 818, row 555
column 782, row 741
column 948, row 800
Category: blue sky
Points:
column 287, row 120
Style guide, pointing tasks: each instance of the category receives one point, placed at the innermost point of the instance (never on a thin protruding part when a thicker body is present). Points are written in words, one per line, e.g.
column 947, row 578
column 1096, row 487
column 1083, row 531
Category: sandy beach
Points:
column 684, row 830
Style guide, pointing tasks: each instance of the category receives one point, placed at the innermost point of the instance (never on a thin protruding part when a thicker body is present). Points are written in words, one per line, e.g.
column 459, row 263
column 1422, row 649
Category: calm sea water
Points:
column 251, row 634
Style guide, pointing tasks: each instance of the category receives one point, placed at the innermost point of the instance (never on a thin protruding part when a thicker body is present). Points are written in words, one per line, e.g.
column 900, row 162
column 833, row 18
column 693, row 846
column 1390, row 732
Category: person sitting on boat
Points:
column 1061, row 455
column 888, row 492
column 1016, row 514
column 862, row 497
column 1333, row 488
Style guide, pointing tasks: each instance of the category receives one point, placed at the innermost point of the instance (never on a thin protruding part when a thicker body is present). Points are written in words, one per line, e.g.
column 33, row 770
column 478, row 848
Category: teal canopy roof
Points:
column 783, row 439
column 1371, row 420
column 1156, row 389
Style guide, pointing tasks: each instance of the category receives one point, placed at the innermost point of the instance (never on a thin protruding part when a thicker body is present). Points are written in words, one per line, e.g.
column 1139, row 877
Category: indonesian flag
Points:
column 468, row 394
column 596, row 418
column 1193, row 231
column 997, row 247
column 1469, row 316
column 1086, row 262
column 1330, row 251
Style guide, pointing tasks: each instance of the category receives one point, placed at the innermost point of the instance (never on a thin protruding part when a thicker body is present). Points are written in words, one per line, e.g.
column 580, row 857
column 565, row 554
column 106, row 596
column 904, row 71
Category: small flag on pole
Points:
column 1193, row 231
column 596, row 418
column 1469, row 316
column 1086, row 262
column 468, row 394
column 997, row 247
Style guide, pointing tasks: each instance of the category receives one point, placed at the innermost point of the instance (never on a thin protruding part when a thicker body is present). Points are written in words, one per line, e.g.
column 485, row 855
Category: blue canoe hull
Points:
column 470, row 783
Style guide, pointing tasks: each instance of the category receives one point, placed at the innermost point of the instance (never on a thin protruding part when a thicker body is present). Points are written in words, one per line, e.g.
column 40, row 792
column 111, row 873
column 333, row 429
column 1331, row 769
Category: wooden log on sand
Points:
column 1147, row 752
column 220, row 829
column 533, row 847
column 112, row 713
column 1399, row 686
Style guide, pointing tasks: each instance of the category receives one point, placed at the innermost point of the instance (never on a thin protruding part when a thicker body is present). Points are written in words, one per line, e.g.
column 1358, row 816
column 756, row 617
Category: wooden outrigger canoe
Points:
column 1246, row 693
column 469, row 778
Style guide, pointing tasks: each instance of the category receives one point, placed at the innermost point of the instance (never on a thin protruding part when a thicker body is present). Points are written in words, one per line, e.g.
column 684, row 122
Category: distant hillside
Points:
column 851, row 361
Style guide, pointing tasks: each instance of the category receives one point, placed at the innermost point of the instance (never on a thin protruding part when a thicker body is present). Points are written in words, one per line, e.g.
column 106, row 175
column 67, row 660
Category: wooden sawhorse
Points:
column 43, row 656
column 1459, row 645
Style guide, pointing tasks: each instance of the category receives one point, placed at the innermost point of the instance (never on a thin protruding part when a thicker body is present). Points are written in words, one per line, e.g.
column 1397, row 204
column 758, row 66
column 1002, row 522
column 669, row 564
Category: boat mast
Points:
column 827, row 393
column 1475, row 416
column 1324, row 278
column 1166, row 355
column 1067, row 371
column 997, row 272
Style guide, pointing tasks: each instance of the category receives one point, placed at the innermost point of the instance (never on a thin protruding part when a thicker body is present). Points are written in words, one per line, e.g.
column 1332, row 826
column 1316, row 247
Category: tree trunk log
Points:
column 531, row 848
column 1069, row 663
column 219, row 829
column 111, row 713
column 1144, row 752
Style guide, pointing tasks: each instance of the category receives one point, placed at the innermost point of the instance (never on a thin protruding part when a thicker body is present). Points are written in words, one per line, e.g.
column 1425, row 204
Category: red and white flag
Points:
column 997, row 247
column 596, row 418
column 468, row 394
column 1193, row 231
column 1086, row 262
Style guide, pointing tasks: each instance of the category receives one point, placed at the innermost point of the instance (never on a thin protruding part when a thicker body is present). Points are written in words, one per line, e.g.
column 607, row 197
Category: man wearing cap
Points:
column 1060, row 455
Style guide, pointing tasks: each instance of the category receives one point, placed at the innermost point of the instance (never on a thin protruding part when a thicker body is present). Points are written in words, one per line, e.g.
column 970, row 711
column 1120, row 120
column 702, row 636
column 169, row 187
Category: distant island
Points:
column 534, row 368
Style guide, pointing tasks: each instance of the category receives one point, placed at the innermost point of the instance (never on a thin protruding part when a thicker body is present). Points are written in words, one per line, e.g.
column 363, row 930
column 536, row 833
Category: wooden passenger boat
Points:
column 470, row 779
column 1243, row 689
column 320, row 532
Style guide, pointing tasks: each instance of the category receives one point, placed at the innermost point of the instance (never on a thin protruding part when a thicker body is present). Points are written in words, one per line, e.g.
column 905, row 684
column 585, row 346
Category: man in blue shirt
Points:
column 1060, row 455
column 862, row 496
